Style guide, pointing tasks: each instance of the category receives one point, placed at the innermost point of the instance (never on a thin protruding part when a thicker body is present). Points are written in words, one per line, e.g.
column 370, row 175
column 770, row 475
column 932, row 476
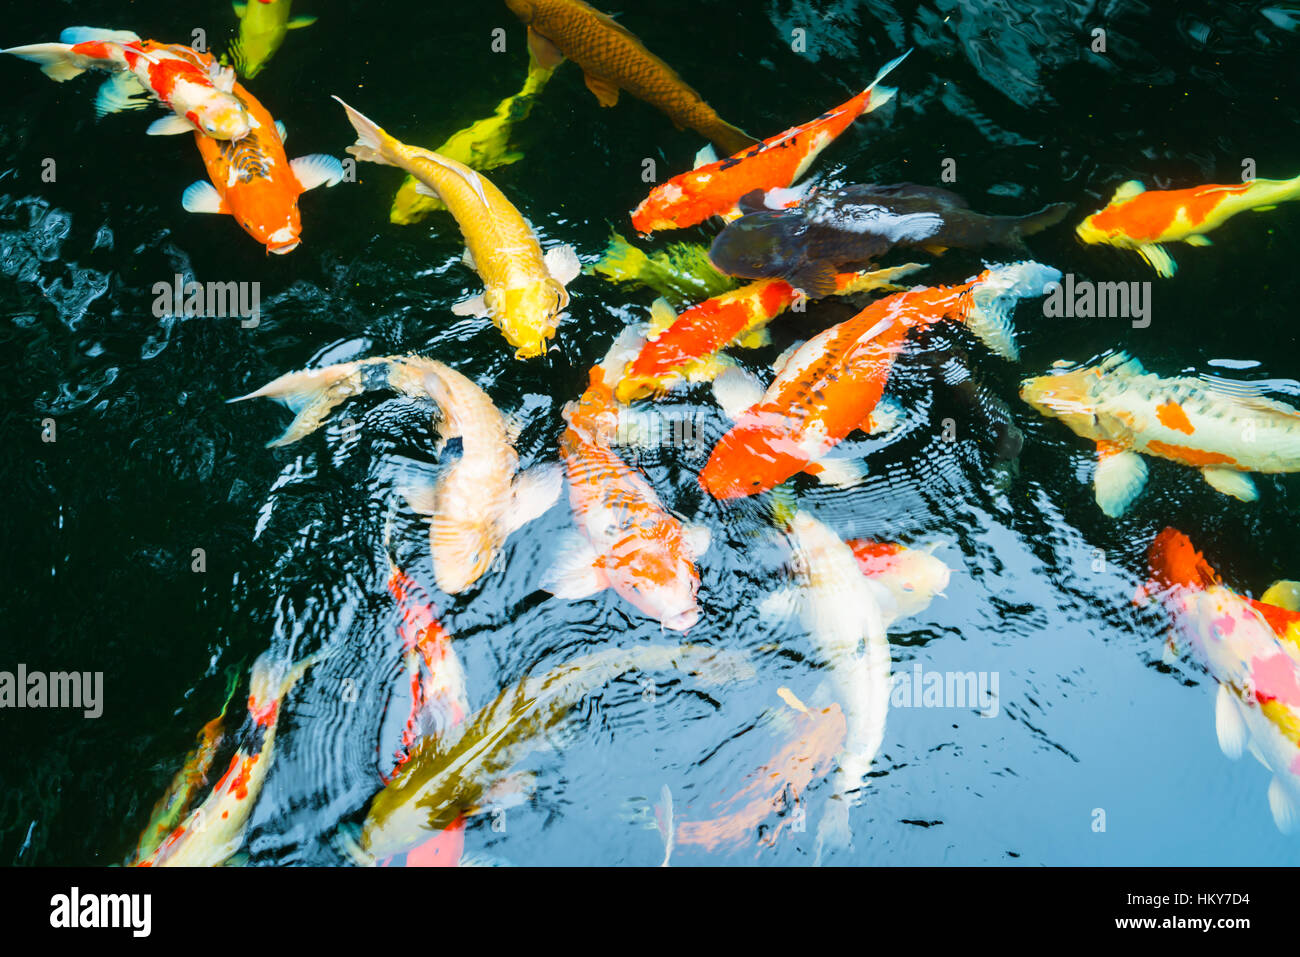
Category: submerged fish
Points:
column 1141, row 219
column 1258, row 673
column 681, row 272
column 715, row 187
column 189, row 780
column 525, row 292
column 190, row 84
column 212, row 833
column 682, row 348
column 479, row 499
column 848, row 228
column 808, row 753
column 912, row 576
column 451, row 775
column 626, row 539
column 831, row 384
column 254, row 182
column 1130, row 412
column 263, row 25
column 484, row 145
column 613, row 59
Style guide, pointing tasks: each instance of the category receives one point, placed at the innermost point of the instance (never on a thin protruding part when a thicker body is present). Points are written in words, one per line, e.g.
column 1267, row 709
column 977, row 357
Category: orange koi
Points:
column 253, row 180
column 716, row 188
column 831, row 385
column 682, row 349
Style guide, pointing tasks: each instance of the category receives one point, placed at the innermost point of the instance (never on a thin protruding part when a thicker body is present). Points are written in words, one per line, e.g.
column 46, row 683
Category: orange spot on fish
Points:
column 1172, row 416
column 1189, row 456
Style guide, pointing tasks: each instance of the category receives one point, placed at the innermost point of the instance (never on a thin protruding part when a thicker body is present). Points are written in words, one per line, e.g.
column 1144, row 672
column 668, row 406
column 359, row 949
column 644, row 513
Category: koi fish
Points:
column 817, row 737
column 627, row 540
column 912, row 576
column 477, row 501
column 452, row 775
column 681, row 348
column 846, row 229
column 612, row 58
column 832, row 384
column 1141, row 219
column 439, row 702
column 193, row 775
column 1258, row 702
column 681, row 272
column 190, row 84
column 1130, row 412
column 715, row 187
column 484, row 145
column 254, row 182
column 212, row 832
column 525, row 289
column 263, row 25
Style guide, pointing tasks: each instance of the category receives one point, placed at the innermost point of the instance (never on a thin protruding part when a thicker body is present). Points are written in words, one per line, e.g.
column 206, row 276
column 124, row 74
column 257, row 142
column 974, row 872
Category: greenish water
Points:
column 150, row 463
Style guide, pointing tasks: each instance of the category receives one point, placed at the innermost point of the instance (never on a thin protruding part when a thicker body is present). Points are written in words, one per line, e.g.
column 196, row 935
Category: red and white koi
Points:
column 1258, row 672
column 191, row 84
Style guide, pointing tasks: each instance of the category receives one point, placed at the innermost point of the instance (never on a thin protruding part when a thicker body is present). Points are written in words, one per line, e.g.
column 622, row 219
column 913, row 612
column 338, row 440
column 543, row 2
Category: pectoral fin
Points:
column 563, row 264
column 532, row 495
column 755, row 339
column 1120, row 477
column 1198, row 241
column 736, row 390
column 605, row 91
column 1283, row 594
column 172, row 125
column 119, row 93
column 1286, row 811
column 546, row 53
column 1229, row 725
column 1231, row 482
column 317, row 169
column 838, row 472
column 297, row 23
column 1158, row 259
column 817, row 280
column 698, row 540
column 575, row 573
column 474, row 306
column 707, row 156
column 202, row 197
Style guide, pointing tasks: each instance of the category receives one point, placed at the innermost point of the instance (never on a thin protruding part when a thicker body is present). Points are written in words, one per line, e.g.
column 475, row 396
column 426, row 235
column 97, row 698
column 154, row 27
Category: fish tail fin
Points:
column 373, row 144
column 56, row 60
column 730, row 138
column 622, row 262
column 1045, row 218
column 877, row 95
column 311, row 394
column 989, row 306
column 75, row 35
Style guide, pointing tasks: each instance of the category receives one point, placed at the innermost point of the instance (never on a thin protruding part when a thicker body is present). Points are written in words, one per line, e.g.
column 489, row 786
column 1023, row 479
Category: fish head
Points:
column 912, row 576
column 671, row 205
column 1175, row 563
column 280, row 232
column 751, row 458
column 529, row 314
column 462, row 551
column 1090, row 233
column 1065, row 395
column 654, row 572
column 223, row 117
column 760, row 246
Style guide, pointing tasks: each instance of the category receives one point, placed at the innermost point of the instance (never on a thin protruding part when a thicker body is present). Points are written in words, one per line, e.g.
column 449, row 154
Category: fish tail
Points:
column 989, row 306
column 730, row 138
column 1045, row 218
column 373, row 144
column 311, row 394
column 877, row 95
column 56, row 60
column 1175, row 561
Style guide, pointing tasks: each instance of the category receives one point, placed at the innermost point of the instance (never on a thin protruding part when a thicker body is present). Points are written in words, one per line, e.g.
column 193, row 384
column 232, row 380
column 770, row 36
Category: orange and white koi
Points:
column 212, row 833
column 831, row 385
column 475, row 503
column 1258, row 672
column 809, row 752
column 253, row 181
column 627, row 540
column 716, row 187
column 912, row 576
column 682, row 347
column 1141, row 219
column 1218, row 426
column 190, row 84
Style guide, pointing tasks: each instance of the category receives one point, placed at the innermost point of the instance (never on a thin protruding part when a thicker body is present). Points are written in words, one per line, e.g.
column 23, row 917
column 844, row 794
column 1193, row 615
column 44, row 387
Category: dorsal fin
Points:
column 1128, row 190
